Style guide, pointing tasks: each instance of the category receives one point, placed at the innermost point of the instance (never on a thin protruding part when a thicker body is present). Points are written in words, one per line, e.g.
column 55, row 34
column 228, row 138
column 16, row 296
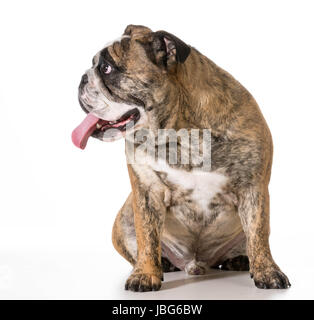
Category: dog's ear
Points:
column 164, row 49
column 132, row 30
column 175, row 49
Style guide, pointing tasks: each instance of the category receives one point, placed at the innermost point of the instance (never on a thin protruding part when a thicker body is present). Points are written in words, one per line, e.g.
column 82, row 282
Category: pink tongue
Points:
column 81, row 133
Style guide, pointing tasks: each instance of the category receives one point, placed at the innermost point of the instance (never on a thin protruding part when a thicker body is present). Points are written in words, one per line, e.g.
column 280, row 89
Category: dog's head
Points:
column 128, row 78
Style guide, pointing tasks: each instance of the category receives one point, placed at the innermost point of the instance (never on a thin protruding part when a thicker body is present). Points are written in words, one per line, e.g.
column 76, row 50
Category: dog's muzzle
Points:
column 83, row 82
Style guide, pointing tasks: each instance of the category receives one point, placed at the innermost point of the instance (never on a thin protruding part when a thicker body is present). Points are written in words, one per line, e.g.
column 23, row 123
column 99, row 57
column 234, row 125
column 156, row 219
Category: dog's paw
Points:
column 239, row 263
column 143, row 282
column 270, row 279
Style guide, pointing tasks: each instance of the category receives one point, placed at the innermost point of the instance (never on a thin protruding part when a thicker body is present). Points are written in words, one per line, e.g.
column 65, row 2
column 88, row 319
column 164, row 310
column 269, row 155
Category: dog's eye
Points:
column 106, row 68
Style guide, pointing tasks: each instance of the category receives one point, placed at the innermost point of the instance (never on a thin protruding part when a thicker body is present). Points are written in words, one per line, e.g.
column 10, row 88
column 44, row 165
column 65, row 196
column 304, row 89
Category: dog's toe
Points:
column 274, row 279
column 279, row 281
column 143, row 282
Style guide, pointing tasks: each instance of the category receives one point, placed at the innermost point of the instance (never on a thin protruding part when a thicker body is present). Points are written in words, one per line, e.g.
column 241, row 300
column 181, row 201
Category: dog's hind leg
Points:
column 239, row 263
column 234, row 260
column 167, row 266
column 123, row 232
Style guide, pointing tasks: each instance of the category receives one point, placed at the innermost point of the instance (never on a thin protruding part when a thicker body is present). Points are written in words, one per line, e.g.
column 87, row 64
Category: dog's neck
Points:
column 209, row 95
column 200, row 95
column 165, row 113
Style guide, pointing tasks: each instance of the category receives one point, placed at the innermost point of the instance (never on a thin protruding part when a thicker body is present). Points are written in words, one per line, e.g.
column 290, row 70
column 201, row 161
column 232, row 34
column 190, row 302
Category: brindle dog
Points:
column 179, row 217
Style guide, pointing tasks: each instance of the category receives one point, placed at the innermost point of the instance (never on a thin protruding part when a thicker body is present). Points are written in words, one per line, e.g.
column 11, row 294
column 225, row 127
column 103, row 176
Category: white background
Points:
column 58, row 203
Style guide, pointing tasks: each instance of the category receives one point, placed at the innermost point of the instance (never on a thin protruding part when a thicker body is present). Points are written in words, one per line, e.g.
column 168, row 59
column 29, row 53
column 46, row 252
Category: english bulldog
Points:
column 180, row 216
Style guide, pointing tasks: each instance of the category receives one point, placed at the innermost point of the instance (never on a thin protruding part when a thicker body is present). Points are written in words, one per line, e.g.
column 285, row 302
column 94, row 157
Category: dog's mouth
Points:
column 93, row 125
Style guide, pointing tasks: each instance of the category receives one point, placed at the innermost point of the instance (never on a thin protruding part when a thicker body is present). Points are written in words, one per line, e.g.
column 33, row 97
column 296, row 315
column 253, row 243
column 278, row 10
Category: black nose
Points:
column 84, row 80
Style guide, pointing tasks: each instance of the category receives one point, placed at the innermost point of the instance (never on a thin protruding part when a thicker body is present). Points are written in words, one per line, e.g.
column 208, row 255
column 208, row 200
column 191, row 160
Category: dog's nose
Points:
column 84, row 80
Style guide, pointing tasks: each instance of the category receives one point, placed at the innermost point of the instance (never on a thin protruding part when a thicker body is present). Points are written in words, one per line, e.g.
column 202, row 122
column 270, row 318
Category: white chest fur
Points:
column 205, row 185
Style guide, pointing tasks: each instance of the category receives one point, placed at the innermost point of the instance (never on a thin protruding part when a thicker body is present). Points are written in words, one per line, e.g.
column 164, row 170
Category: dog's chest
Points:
column 195, row 187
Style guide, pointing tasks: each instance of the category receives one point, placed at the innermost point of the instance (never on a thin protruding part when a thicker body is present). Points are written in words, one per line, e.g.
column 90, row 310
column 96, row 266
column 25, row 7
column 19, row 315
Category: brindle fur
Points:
column 178, row 87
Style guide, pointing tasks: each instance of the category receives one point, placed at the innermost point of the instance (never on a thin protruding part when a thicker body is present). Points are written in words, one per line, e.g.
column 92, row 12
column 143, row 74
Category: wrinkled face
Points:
column 127, row 79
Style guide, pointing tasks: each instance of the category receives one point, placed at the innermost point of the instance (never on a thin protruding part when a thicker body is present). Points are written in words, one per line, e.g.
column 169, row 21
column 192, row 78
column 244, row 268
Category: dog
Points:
column 180, row 216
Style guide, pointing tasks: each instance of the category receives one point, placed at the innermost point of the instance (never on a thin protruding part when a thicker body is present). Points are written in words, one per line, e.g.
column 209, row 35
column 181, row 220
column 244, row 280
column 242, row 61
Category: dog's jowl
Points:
column 182, row 215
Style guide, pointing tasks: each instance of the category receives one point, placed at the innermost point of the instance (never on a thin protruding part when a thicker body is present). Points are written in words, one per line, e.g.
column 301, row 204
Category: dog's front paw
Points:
column 143, row 282
column 270, row 278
